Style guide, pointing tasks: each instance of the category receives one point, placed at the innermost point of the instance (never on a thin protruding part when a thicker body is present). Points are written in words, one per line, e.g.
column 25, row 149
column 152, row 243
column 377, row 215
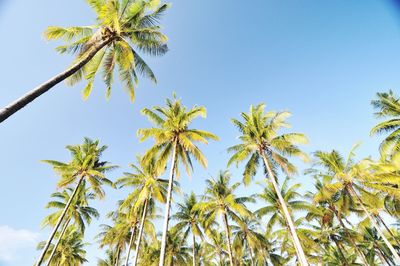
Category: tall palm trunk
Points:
column 118, row 255
column 139, row 238
column 339, row 247
column 133, row 232
column 168, row 205
column 58, row 241
column 381, row 255
column 388, row 229
column 194, row 249
column 18, row 104
column 375, row 224
column 299, row 250
column 228, row 237
column 60, row 219
column 346, row 231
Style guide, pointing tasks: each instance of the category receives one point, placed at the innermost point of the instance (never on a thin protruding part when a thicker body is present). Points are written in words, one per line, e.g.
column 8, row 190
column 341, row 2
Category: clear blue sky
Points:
column 322, row 60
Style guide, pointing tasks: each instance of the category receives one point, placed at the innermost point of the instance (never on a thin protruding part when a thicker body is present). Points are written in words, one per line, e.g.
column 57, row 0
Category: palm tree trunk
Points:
column 388, row 229
column 18, row 104
column 60, row 219
column 382, row 256
column 168, row 205
column 194, row 249
column 58, row 241
column 228, row 237
column 341, row 252
column 299, row 250
column 362, row 256
column 133, row 231
column 139, row 238
column 117, row 257
column 251, row 254
column 375, row 224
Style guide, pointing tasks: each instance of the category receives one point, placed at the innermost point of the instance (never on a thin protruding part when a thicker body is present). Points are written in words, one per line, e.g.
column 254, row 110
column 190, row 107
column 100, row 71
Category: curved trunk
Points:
column 58, row 242
column 194, row 249
column 139, row 238
column 228, row 237
column 375, row 224
column 133, row 231
column 21, row 102
column 60, row 219
column 168, row 205
column 299, row 250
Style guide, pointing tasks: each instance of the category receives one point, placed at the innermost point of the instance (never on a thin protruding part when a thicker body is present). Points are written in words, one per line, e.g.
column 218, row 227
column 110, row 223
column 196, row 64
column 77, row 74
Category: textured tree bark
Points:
column 228, row 237
column 139, row 238
column 21, row 102
column 300, row 253
column 168, row 206
column 59, row 222
column 58, row 242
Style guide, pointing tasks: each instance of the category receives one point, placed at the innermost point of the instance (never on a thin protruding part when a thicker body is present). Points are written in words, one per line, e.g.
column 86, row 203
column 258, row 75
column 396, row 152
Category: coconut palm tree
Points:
column 70, row 250
column 220, row 200
column 109, row 260
column 79, row 212
column 173, row 138
column 359, row 180
column 147, row 187
column 387, row 105
column 122, row 30
column 85, row 165
column 189, row 221
column 260, row 140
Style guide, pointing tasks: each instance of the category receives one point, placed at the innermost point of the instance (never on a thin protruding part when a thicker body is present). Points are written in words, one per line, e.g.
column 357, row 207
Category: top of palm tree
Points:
column 126, row 28
column 85, row 162
column 172, row 127
column 387, row 105
column 260, row 134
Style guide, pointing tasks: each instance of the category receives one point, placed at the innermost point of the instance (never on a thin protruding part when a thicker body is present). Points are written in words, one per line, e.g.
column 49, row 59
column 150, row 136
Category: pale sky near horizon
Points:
column 323, row 61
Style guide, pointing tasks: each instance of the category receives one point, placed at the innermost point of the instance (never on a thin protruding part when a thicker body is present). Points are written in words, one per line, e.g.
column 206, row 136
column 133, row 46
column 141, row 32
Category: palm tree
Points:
column 260, row 141
column 188, row 220
column 146, row 187
column 173, row 138
column 219, row 199
column 109, row 260
column 80, row 212
column 388, row 106
column 122, row 29
column 70, row 250
column 355, row 179
column 85, row 165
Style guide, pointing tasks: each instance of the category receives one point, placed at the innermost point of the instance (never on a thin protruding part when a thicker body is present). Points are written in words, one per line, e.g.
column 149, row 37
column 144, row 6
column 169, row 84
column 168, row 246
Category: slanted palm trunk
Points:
column 133, row 232
column 60, row 219
column 194, row 249
column 168, row 205
column 18, row 104
column 228, row 237
column 299, row 250
column 388, row 229
column 339, row 248
column 375, row 224
column 139, row 238
column 360, row 253
column 58, row 241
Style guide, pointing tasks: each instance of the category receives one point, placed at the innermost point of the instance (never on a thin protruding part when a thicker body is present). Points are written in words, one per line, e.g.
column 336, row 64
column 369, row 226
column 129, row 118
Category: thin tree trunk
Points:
column 133, row 231
column 375, row 224
column 388, row 229
column 21, row 102
column 139, row 238
column 228, row 237
column 58, row 241
column 300, row 253
column 251, row 254
column 118, row 255
column 168, row 205
column 362, row 256
column 381, row 256
column 341, row 252
column 59, row 222
column 194, row 249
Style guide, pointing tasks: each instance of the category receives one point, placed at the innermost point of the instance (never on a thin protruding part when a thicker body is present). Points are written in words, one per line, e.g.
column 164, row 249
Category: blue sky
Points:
column 322, row 60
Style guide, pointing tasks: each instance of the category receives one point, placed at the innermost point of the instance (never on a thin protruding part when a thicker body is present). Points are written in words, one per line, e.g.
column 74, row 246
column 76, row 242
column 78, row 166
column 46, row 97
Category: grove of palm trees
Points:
column 245, row 189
